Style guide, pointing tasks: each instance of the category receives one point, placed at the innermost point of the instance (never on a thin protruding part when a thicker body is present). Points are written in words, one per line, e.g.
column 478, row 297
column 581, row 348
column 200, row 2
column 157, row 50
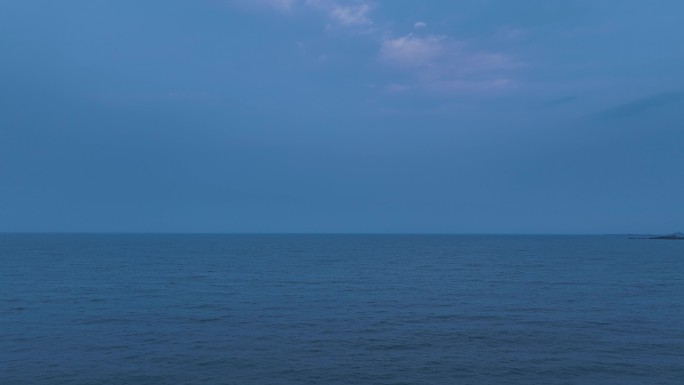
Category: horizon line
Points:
column 293, row 233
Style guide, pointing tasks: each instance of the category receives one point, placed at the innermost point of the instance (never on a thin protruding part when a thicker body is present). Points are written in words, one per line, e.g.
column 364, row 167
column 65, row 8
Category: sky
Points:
column 351, row 116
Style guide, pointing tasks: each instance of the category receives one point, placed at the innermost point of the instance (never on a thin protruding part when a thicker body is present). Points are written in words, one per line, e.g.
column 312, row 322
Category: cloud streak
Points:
column 412, row 51
column 348, row 14
column 432, row 62
column 277, row 5
column 643, row 105
column 351, row 15
column 442, row 63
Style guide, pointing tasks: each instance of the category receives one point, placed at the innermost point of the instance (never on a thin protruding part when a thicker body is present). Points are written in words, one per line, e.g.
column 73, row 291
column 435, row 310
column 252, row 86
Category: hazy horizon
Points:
column 322, row 233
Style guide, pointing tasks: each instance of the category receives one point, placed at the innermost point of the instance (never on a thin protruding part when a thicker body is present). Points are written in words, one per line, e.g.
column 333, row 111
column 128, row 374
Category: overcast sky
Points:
column 468, row 116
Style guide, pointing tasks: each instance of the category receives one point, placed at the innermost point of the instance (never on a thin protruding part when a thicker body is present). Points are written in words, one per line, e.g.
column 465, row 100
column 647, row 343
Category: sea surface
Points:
column 340, row 309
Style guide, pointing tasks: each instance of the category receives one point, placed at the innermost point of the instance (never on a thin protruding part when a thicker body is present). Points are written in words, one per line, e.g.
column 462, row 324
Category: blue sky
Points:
column 488, row 116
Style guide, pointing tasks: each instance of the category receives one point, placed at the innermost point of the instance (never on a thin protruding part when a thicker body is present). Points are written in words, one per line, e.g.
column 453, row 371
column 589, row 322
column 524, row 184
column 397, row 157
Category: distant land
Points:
column 673, row 236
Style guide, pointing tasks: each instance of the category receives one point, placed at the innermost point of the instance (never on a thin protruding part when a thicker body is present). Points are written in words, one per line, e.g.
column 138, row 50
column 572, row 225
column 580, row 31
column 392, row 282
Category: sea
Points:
column 101, row 309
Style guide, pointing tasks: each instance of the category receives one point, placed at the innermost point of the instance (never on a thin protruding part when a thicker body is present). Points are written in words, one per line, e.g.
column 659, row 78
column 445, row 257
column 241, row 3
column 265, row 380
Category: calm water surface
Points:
column 344, row 309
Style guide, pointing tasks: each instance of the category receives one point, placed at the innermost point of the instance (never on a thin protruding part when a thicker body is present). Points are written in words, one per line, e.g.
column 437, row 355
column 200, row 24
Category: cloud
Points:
column 278, row 5
column 442, row 63
column 351, row 14
column 344, row 13
column 642, row 105
column 435, row 62
column 412, row 51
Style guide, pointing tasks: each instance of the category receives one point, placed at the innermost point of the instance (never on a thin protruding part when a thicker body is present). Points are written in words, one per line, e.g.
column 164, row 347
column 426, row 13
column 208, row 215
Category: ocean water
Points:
column 340, row 309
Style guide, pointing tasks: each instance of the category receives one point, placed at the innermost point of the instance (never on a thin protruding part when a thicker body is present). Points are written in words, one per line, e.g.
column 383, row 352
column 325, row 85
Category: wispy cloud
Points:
column 344, row 13
column 351, row 14
column 412, row 51
column 642, row 105
column 278, row 5
column 434, row 62
column 443, row 63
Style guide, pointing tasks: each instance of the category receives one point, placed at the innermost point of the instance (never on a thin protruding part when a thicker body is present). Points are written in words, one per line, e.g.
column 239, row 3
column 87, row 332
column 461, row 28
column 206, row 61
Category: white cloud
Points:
column 412, row 51
column 441, row 63
column 345, row 13
column 356, row 14
column 434, row 62
column 277, row 5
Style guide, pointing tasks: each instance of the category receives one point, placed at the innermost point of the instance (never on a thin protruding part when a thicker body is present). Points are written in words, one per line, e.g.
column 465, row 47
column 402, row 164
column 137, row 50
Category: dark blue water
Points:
column 297, row 309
